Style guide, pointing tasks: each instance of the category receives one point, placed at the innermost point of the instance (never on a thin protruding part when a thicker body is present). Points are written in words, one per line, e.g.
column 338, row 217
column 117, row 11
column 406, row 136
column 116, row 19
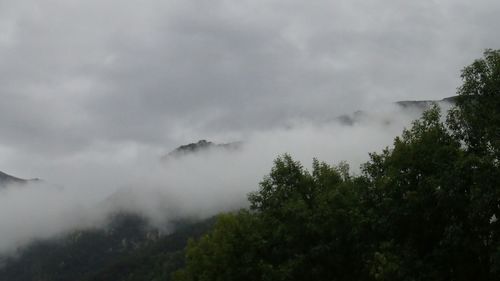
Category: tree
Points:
column 475, row 121
column 425, row 209
column 476, row 118
column 228, row 252
column 310, row 221
column 420, row 204
column 301, row 225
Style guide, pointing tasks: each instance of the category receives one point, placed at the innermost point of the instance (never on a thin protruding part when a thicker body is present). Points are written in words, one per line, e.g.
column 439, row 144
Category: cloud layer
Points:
column 195, row 185
column 92, row 93
column 75, row 75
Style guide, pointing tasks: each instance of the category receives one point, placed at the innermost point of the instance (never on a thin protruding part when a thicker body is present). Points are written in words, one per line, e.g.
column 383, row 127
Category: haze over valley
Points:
column 129, row 128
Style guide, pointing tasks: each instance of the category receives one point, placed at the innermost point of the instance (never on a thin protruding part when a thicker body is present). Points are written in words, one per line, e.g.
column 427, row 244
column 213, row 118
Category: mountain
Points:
column 406, row 105
column 345, row 119
column 424, row 104
column 201, row 145
column 128, row 248
column 6, row 179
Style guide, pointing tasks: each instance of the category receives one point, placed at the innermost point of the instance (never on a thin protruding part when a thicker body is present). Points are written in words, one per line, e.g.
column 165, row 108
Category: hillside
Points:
column 425, row 104
column 6, row 179
column 127, row 246
column 201, row 146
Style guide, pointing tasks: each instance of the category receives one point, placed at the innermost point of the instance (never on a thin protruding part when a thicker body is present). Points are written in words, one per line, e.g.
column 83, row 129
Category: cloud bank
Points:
column 93, row 93
column 196, row 185
column 76, row 76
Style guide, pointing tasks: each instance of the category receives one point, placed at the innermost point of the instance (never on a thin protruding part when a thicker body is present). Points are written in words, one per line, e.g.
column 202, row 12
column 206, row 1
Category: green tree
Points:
column 425, row 209
column 301, row 225
column 228, row 252
column 476, row 118
column 312, row 221
column 475, row 121
column 416, row 196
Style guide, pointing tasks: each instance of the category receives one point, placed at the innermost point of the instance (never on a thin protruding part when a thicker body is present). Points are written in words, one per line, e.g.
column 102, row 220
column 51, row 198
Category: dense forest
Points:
column 127, row 249
column 424, row 208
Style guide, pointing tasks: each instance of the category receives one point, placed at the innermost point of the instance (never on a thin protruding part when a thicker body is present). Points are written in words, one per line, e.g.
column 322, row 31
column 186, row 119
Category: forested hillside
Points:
column 127, row 249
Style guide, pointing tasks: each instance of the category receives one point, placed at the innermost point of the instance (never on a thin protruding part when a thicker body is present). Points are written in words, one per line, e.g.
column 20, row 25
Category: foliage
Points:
column 77, row 253
column 425, row 209
column 125, row 250
column 476, row 118
column 154, row 261
column 287, row 233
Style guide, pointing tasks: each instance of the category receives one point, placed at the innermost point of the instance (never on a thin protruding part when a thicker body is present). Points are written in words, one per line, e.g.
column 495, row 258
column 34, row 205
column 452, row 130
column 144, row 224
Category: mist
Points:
column 79, row 192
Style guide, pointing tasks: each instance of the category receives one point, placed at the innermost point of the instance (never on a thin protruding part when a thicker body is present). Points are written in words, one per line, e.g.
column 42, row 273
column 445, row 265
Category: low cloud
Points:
column 93, row 93
column 135, row 179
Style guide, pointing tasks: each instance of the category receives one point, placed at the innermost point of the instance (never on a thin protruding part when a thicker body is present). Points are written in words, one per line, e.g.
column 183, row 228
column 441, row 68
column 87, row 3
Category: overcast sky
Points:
column 81, row 77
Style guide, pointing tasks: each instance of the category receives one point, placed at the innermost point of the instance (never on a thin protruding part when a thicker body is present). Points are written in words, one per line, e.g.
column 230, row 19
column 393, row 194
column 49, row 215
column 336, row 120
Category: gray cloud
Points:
column 75, row 73
column 92, row 92
column 81, row 190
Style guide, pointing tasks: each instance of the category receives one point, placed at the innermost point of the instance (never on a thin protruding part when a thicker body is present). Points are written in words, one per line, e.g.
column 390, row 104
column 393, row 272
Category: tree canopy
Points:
column 426, row 208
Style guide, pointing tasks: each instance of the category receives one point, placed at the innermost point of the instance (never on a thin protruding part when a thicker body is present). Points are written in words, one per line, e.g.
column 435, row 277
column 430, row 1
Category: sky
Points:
column 77, row 75
column 93, row 93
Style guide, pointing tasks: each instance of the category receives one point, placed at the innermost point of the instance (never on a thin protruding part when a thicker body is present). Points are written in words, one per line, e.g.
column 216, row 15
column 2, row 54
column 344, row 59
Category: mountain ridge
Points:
column 201, row 145
column 6, row 179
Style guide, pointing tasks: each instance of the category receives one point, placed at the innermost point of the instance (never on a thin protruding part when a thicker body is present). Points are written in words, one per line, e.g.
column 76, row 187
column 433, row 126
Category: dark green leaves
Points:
column 425, row 209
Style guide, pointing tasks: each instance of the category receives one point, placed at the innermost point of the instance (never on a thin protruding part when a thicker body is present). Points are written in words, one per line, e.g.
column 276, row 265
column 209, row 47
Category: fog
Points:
column 94, row 93
column 85, row 189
